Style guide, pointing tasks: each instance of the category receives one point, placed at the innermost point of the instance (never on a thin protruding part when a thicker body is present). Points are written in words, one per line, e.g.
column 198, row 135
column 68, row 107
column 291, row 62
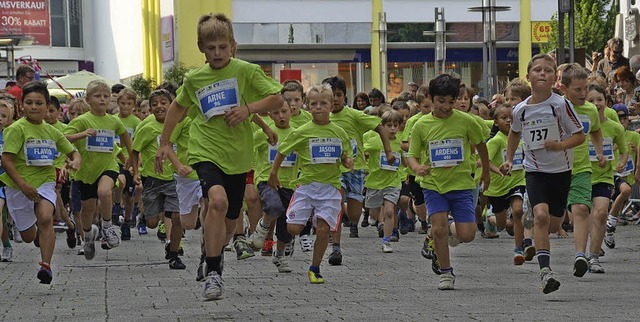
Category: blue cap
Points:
column 621, row 108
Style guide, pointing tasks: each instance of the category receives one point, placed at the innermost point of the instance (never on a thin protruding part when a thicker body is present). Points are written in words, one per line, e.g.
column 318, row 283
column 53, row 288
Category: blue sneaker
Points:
column 142, row 227
column 403, row 222
column 45, row 275
column 395, row 235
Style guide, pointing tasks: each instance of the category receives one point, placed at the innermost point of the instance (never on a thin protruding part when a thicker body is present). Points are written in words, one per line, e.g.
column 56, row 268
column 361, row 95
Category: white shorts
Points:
column 321, row 199
column 189, row 193
column 22, row 210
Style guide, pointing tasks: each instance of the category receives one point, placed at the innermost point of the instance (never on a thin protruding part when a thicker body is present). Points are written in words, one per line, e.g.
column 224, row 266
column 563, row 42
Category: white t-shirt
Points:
column 553, row 119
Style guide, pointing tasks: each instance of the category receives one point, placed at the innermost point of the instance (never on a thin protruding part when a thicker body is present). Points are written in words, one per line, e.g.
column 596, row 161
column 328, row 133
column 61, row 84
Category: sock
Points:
column 315, row 269
column 526, row 242
column 279, row 253
column 580, row 254
column 592, row 255
column 612, row 221
column 6, row 243
column 213, row 264
column 106, row 223
column 386, row 239
column 173, row 254
column 264, row 224
column 446, row 270
column 336, row 247
column 544, row 257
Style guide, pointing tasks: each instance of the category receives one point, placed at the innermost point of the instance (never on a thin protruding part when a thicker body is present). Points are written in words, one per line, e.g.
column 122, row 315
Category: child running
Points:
column 29, row 152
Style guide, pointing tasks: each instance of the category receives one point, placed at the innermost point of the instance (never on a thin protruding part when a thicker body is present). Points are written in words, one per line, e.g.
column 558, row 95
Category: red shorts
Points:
column 249, row 179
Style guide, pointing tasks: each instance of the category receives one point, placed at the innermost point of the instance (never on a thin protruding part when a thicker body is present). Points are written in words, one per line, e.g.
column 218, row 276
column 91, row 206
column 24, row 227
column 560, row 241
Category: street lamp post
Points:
column 441, row 40
column 382, row 30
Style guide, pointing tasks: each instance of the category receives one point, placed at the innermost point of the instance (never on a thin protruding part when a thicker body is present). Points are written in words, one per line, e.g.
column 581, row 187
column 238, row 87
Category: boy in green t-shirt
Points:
column 222, row 94
column 320, row 146
column 28, row 159
column 383, row 182
column 6, row 118
column 123, row 194
column 445, row 136
column 93, row 134
column 159, row 187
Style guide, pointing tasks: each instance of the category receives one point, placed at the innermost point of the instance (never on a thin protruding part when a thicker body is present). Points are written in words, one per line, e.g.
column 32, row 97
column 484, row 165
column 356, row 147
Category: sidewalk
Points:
column 134, row 283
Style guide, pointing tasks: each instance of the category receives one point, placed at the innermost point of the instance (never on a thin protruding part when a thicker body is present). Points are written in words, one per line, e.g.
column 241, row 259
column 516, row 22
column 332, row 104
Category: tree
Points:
column 175, row 73
column 143, row 86
column 594, row 24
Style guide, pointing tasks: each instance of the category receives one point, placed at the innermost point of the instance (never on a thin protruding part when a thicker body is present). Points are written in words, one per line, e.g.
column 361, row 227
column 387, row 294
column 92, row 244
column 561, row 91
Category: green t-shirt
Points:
column 180, row 138
column 239, row 83
column 98, row 154
column 633, row 139
column 130, row 123
column 34, row 148
column 146, row 142
column 611, row 114
column 612, row 133
column 446, row 144
column 60, row 158
column 300, row 119
column 500, row 185
column 356, row 124
column 382, row 175
column 266, row 153
column 407, row 134
column 588, row 115
column 319, row 148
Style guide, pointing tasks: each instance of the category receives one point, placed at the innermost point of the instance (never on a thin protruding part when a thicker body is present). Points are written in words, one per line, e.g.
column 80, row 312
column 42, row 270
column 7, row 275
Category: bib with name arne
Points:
column 102, row 142
column 219, row 97
column 446, row 153
column 289, row 160
column 325, row 150
column 39, row 152
column 536, row 132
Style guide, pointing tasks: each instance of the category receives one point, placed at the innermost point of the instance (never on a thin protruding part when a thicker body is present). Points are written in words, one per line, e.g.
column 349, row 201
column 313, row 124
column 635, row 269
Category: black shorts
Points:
column 617, row 182
column 404, row 190
column 601, row 189
column 549, row 188
column 90, row 191
column 416, row 191
column 502, row 203
column 211, row 175
column 129, row 186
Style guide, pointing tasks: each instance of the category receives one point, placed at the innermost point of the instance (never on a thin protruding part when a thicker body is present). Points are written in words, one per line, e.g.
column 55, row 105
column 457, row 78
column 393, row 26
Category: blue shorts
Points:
column 458, row 202
column 353, row 184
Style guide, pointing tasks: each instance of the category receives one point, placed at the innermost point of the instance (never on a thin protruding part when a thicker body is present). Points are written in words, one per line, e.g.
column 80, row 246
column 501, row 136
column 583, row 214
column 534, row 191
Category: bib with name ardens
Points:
column 536, row 132
column 219, row 97
column 289, row 160
column 518, row 158
column 446, row 153
column 102, row 142
column 384, row 163
column 607, row 150
column 39, row 153
column 325, row 150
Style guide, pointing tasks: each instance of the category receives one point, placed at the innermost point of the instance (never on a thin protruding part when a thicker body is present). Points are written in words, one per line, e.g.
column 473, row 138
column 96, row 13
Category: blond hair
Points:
column 323, row 89
column 97, row 85
column 79, row 103
column 392, row 116
column 215, row 27
column 127, row 93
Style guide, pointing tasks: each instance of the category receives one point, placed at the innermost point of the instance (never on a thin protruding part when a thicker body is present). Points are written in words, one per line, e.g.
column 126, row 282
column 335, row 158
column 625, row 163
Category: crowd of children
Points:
column 305, row 160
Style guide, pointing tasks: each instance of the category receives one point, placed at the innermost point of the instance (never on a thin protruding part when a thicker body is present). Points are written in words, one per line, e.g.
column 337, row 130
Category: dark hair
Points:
column 292, row 85
column 23, row 70
column 498, row 109
column 482, row 100
column 399, row 105
column 376, row 93
column 116, row 88
column 598, row 88
column 362, row 96
column 444, row 85
column 466, row 90
column 159, row 93
column 171, row 87
column 36, row 87
column 406, row 96
column 337, row 83
column 55, row 102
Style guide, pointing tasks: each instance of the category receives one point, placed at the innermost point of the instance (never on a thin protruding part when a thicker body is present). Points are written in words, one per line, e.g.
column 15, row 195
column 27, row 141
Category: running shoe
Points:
column 89, row 242
column 213, row 287
column 71, row 237
column 335, row 258
column 548, row 282
column 110, row 238
column 289, row 247
column 45, row 275
column 595, row 266
column 395, row 235
column 162, row 232
column 365, row 220
column 201, row 269
column 518, row 257
column 267, row 247
column 306, row 243
column 282, row 263
column 353, row 231
column 386, row 247
column 580, row 266
column 176, row 263
column 125, row 231
column 315, row 278
column 142, row 227
column 257, row 239
column 447, row 281
column 427, row 248
column 243, row 250
column 380, row 230
column 435, row 264
column 115, row 214
column 7, row 254
column 609, row 238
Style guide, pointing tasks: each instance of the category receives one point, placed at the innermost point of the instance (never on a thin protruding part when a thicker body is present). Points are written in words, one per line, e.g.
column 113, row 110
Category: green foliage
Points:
column 143, row 86
column 594, row 25
column 175, row 73
column 409, row 32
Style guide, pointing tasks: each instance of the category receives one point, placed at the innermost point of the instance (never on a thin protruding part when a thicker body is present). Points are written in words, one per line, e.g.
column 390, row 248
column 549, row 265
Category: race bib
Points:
column 1, row 150
column 289, row 160
column 39, row 152
column 117, row 137
column 219, row 97
column 518, row 158
column 446, row 153
column 102, row 142
column 629, row 167
column 325, row 150
column 384, row 163
column 607, row 150
column 354, row 147
column 536, row 132
column 586, row 122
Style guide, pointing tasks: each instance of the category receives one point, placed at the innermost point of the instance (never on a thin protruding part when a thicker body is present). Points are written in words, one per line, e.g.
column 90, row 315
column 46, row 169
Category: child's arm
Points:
column 384, row 135
column 10, row 168
column 419, row 169
column 77, row 136
column 272, row 137
column 347, row 161
column 133, row 157
column 183, row 170
column 274, row 181
column 622, row 162
column 573, row 141
column 174, row 115
column 512, row 145
column 74, row 160
column 125, row 140
column 485, row 176
column 238, row 114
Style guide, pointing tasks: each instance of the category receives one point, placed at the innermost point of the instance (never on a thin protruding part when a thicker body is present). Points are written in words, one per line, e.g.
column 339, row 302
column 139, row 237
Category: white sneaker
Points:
column 306, row 243
column 447, row 281
column 16, row 234
column 256, row 240
column 282, row 263
column 110, row 235
column 548, row 283
column 372, row 221
column 7, row 254
column 212, row 287
column 386, row 247
column 89, row 242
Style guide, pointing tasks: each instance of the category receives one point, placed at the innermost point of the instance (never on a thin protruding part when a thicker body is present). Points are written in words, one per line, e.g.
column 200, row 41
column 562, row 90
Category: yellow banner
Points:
column 540, row 31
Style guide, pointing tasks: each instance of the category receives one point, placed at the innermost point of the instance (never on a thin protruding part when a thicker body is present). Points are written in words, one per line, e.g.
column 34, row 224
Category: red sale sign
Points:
column 28, row 18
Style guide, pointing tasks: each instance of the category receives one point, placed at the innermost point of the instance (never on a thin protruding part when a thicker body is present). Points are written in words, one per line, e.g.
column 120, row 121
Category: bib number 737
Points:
column 539, row 134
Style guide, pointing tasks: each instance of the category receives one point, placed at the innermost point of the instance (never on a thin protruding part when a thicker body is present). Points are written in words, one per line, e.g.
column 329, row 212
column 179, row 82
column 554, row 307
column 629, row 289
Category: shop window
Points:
column 66, row 23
